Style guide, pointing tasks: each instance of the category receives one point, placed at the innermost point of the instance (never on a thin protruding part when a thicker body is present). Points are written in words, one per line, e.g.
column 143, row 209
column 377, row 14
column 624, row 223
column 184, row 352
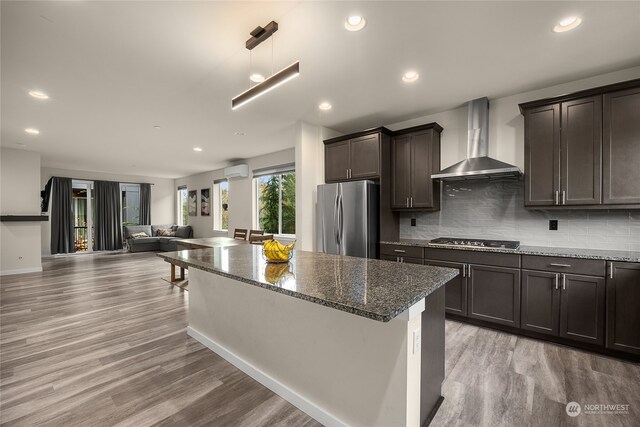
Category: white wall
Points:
column 309, row 174
column 506, row 124
column 19, row 194
column 241, row 195
column 163, row 195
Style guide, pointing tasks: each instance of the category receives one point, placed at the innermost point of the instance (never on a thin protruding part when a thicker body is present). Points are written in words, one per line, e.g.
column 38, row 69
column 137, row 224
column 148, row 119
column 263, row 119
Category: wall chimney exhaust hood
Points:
column 478, row 164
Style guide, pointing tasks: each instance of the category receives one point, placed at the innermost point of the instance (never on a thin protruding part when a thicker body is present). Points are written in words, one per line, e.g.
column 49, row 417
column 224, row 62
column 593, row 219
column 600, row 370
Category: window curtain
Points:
column 108, row 221
column 145, row 204
column 62, row 231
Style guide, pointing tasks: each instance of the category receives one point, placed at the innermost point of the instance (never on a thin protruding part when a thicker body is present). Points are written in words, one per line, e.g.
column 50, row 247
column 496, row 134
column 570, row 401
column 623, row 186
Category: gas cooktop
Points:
column 475, row 243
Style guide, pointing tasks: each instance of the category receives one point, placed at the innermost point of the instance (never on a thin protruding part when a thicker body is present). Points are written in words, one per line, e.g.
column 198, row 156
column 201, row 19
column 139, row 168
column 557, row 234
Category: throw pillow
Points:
column 138, row 235
column 183, row 232
column 166, row 232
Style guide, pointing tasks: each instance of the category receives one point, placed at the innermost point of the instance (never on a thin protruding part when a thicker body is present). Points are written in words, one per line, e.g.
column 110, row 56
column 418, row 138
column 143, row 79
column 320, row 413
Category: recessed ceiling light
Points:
column 32, row 131
column 355, row 23
column 567, row 24
column 410, row 76
column 38, row 94
column 239, row 133
column 197, row 149
column 325, row 106
column 256, row 78
column 156, row 127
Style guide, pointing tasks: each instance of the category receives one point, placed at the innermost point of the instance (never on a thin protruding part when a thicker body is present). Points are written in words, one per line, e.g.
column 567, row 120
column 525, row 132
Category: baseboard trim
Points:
column 21, row 271
column 272, row 384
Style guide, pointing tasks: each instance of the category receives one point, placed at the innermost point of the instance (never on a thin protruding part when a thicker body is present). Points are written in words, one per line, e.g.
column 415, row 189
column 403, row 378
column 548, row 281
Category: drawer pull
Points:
column 611, row 270
column 560, row 265
column 400, row 251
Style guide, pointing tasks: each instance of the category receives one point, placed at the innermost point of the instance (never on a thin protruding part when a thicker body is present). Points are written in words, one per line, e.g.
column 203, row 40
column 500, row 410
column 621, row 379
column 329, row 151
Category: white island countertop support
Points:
column 340, row 366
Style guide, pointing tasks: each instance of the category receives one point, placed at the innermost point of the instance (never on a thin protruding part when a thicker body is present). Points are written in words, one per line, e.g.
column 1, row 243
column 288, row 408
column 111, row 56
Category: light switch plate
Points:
column 417, row 342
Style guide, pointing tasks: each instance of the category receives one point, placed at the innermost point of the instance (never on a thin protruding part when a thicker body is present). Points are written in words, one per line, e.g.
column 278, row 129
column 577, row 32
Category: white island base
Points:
column 340, row 368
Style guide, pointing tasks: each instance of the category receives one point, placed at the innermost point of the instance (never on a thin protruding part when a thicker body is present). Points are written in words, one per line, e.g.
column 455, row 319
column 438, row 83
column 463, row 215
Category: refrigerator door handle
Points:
column 340, row 220
column 335, row 217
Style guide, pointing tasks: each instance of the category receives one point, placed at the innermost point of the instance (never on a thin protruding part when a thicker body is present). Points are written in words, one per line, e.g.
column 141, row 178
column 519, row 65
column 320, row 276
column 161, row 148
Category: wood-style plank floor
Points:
column 101, row 340
column 498, row 379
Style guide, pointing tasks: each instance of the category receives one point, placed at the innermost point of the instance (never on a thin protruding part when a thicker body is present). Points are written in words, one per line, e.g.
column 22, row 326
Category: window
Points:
column 183, row 209
column 130, row 204
column 221, row 205
column 83, row 206
column 276, row 200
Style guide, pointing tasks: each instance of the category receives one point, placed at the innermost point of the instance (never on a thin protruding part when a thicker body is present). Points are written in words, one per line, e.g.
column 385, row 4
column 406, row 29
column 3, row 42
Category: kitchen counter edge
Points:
column 599, row 254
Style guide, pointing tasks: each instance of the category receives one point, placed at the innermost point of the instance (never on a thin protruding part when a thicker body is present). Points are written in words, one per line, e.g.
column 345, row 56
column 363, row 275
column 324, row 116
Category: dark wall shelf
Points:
column 23, row 218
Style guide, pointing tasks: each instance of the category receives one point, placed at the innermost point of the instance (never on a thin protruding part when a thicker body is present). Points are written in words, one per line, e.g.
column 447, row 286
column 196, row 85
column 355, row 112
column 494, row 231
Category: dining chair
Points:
column 240, row 234
column 259, row 239
column 255, row 232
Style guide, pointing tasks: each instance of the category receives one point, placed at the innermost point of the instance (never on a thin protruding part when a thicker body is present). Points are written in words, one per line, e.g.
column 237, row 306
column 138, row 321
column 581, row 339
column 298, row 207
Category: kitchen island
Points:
column 350, row 341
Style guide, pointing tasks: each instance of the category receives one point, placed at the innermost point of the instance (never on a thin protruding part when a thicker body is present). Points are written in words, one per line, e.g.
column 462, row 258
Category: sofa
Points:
column 154, row 239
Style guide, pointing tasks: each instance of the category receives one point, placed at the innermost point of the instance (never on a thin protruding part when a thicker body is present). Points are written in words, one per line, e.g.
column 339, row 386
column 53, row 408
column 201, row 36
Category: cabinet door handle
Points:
column 411, row 201
column 556, row 281
column 556, row 197
column 401, row 260
column 469, row 270
column 564, row 198
column 400, row 251
column 407, row 201
column 611, row 270
column 553, row 264
column 397, row 259
column 564, row 282
column 464, row 270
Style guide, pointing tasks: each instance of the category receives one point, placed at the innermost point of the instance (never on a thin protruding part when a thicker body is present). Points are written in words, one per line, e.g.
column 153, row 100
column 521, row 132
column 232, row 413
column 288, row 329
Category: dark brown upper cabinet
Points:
column 353, row 157
column 621, row 154
column 541, row 155
column 415, row 156
column 582, row 149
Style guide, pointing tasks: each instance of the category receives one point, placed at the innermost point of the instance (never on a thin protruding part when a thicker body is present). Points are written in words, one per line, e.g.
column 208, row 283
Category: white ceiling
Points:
column 116, row 69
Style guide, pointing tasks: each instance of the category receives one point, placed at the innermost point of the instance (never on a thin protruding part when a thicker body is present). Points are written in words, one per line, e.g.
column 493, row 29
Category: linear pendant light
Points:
column 272, row 82
column 259, row 35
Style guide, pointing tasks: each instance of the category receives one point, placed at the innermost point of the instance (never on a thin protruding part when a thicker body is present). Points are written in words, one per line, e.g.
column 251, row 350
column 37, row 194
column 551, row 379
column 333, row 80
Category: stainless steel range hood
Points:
column 478, row 164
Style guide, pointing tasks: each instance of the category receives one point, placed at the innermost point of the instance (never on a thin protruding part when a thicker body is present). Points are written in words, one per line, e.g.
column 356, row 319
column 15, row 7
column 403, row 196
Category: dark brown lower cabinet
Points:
column 408, row 260
column 455, row 301
column 494, row 294
column 623, row 307
column 565, row 305
column 582, row 308
column 540, row 302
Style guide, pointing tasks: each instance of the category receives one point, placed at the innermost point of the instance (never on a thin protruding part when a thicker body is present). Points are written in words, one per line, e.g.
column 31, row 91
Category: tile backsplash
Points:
column 495, row 210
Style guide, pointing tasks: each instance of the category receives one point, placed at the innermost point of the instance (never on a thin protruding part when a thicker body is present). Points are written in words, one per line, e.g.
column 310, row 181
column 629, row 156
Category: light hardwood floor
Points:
column 101, row 340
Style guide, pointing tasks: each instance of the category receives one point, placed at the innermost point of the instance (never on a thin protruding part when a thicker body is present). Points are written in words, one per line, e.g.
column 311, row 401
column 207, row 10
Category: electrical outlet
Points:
column 413, row 222
column 417, row 342
column 553, row 224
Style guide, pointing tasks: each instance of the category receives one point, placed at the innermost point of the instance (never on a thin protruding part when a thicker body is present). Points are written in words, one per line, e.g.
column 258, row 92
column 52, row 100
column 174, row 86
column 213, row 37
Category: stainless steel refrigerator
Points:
column 347, row 219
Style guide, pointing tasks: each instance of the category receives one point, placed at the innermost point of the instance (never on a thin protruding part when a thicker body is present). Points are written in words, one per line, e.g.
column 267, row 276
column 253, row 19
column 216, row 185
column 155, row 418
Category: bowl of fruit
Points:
column 276, row 252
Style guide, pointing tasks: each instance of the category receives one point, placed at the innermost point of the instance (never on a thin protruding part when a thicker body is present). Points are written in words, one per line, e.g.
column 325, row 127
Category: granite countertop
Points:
column 607, row 255
column 371, row 288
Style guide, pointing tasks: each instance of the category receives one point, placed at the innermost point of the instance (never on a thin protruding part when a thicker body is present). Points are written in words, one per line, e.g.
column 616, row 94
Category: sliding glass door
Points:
column 82, row 204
